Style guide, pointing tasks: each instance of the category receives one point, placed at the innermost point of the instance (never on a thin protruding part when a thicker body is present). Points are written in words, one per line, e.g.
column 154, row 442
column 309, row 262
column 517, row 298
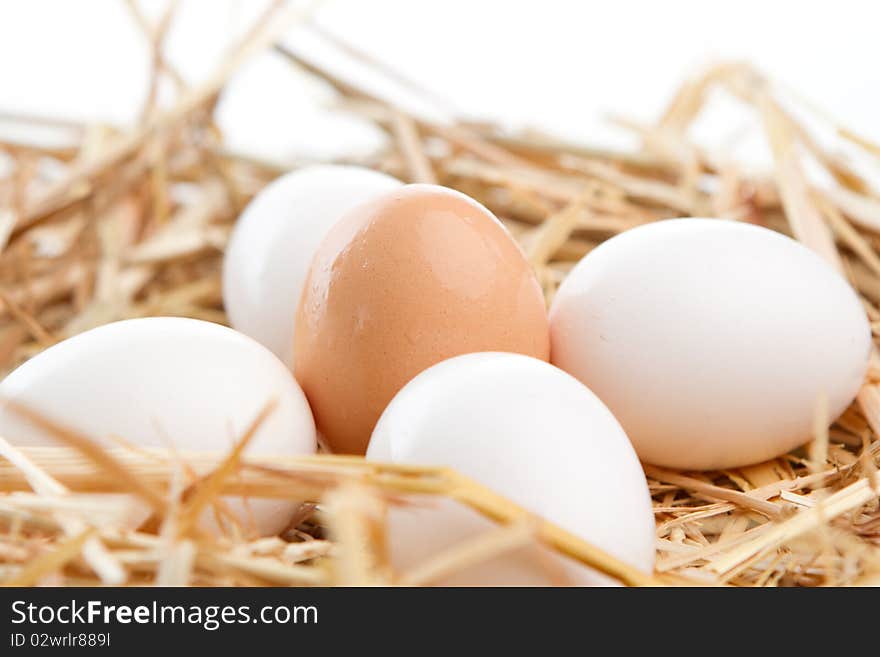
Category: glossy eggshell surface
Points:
column 165, row 382
column 711, row 341
column 532, row 433
column 275, row 239
column 420, row 274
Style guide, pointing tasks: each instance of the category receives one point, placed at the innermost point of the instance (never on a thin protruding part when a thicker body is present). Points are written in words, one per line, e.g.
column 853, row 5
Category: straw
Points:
column 132, row 223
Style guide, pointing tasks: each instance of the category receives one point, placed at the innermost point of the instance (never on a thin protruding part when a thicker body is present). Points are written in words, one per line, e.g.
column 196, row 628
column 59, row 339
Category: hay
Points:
column 118, row 224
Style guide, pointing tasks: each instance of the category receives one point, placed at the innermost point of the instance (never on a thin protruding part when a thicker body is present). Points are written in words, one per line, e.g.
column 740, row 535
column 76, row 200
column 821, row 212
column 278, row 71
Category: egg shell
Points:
column 416, row 276
column 711, row 341
column 163, row 382
column 528, row 431
column 275, row 239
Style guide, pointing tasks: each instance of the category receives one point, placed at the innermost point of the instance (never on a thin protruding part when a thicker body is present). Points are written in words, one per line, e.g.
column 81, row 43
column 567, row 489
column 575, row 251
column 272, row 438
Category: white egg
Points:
column 530, row 432
column 165, row 382
column 711, row 341
column 274, row 240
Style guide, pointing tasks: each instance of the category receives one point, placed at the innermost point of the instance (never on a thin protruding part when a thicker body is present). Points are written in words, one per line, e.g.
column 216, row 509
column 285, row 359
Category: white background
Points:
column 559, row 66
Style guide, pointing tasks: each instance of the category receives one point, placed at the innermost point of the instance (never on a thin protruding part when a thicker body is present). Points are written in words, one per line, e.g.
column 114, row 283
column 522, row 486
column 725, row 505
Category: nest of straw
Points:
column 131, row 224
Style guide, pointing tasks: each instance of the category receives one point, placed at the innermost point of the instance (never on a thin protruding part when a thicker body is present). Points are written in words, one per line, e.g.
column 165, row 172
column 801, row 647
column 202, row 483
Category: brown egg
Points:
column 419, row 275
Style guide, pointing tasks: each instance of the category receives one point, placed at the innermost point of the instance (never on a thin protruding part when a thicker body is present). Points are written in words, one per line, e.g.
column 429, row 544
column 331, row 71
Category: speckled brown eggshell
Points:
column 419, row 275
